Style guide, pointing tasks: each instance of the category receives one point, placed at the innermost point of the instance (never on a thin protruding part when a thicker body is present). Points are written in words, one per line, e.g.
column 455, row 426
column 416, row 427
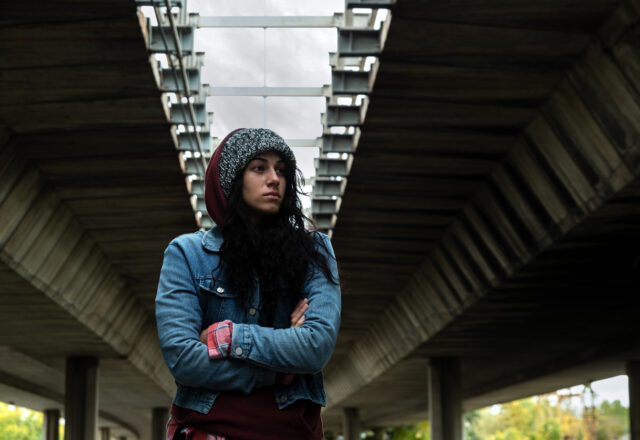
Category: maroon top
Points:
column 256, row 416
column 213, row 197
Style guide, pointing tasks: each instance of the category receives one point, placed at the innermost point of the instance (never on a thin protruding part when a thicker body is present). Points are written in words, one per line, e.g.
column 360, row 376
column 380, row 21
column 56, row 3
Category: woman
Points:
column 248, row 312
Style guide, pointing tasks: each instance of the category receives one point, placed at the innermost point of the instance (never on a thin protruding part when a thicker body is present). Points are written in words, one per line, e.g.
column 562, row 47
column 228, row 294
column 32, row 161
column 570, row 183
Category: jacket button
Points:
column 238, row 351
column 252, row 311
column 283, row 399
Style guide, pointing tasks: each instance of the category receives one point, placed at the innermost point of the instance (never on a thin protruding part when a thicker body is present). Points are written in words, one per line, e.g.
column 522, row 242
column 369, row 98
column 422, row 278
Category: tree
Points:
column 19, row 424
column 613, row 420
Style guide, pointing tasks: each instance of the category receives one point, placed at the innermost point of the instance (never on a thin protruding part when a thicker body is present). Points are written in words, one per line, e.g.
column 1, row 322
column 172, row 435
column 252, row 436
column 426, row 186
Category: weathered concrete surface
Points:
column 491, row 212
column 91, row 193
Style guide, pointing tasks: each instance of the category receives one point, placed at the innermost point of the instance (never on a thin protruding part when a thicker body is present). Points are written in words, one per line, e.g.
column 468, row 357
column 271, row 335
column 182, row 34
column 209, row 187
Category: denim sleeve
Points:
column 303, row 350
column 179, row 317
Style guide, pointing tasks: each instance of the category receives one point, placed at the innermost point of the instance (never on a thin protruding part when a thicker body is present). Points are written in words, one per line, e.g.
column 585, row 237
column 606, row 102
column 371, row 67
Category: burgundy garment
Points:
column 255, row 417
column 213, row 197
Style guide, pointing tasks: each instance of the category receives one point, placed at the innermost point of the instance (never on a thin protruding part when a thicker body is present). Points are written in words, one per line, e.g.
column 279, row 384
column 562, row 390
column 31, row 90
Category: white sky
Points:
column 294, row 58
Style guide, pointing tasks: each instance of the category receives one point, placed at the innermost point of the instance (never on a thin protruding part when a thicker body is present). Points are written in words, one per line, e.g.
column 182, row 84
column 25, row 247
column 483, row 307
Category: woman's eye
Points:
column 280, row 171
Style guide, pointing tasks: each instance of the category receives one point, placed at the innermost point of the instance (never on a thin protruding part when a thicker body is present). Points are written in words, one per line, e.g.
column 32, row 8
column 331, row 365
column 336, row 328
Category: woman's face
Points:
column 264, row 184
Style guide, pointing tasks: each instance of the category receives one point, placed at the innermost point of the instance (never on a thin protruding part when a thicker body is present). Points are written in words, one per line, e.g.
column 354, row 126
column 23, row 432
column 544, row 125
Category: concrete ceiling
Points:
column 492, row 207
column 92, row 192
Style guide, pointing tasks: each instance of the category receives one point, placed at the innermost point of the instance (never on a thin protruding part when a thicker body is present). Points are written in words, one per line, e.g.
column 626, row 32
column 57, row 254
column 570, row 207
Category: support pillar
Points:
column 105, row 433
column 445, row 400
column 633, row 371
column 51, row 424
column 159, row 418
column 350, row 424
column 81, row 398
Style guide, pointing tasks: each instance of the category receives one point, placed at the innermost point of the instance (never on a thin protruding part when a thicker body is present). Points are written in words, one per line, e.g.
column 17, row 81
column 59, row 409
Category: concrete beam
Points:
column 196, row 187
column 342, row 115
column 81, row 398
column 159, row 418
column 51, row 424
column 168, row 79
column 187, row 141
column 445, row 399
column 335, row 20
column 339, row 62
column 180, row 113
column 325, row 205
column 328, row 187
column 200, row 205
column 44, row 244
column 193, row 165
column 194, row 60
column 157, row 44
column 350, row 424
column 159, row 3
column 633, row 372
column 359, row 42
column 272, row 91
column 325, row 222
column 304, row 143
column 328, row 167
column 338, row 143
column 369, row 3
column 350, row 82
column 577, row 153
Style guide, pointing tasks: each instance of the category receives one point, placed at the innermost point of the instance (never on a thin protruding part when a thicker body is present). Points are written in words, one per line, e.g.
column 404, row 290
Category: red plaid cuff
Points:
column 219, row 339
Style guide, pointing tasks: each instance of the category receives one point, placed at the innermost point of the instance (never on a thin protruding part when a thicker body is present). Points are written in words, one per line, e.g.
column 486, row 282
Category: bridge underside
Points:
column 492, row 210
column 91, row 194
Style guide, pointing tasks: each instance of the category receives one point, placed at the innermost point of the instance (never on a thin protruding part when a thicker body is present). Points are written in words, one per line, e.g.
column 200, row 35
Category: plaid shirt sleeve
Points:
column 219, row 339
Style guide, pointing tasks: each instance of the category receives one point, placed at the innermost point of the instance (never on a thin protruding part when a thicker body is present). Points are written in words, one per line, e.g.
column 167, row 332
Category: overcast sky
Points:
column 294, row 58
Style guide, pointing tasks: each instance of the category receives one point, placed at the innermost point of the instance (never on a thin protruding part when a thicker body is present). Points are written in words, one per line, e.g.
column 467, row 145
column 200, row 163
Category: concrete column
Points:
column 350, row 424
column 81, row 398
column 633, row 371
column 159, row 418
column 105, row 433
column 51, row 424
column 445, row 400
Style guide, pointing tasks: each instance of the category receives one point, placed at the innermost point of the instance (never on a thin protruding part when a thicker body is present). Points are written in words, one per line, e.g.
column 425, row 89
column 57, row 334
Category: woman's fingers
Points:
column 297, row 316
column 203, row 336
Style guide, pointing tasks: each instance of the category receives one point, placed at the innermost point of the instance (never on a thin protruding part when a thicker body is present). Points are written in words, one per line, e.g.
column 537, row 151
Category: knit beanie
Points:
column 230, row 158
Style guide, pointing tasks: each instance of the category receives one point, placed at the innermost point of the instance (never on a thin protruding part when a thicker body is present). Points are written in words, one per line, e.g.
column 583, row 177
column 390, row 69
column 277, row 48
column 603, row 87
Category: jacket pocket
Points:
column 220, row 302
column 216, row 287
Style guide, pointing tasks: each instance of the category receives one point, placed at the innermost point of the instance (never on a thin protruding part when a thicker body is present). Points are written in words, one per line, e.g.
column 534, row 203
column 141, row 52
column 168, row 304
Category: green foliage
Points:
column 541, row 418
column 613, row 420
column 19, row 424
column 548, row 417
column 419, row 431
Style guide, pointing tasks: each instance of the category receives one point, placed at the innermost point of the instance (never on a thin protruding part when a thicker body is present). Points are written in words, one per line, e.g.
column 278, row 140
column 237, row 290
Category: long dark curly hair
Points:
column 278, row 252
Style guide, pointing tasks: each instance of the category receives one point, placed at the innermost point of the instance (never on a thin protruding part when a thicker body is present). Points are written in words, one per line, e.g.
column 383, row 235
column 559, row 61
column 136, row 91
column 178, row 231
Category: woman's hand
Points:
column 297, row 316
column 203, row 336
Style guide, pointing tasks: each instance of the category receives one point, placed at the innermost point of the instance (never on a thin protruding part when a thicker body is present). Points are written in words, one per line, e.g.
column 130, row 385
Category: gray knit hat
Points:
column 244, row 145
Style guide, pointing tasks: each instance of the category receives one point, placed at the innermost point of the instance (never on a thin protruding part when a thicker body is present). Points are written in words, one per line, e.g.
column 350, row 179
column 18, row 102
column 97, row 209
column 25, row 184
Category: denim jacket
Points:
column 193, row 294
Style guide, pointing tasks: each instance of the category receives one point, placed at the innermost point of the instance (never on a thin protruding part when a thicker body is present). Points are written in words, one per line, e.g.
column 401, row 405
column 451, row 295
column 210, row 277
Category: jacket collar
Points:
column 212, row 239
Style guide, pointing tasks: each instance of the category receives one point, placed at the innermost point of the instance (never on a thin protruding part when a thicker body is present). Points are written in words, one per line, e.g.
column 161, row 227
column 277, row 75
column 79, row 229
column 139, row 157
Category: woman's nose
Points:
column 273, row 178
